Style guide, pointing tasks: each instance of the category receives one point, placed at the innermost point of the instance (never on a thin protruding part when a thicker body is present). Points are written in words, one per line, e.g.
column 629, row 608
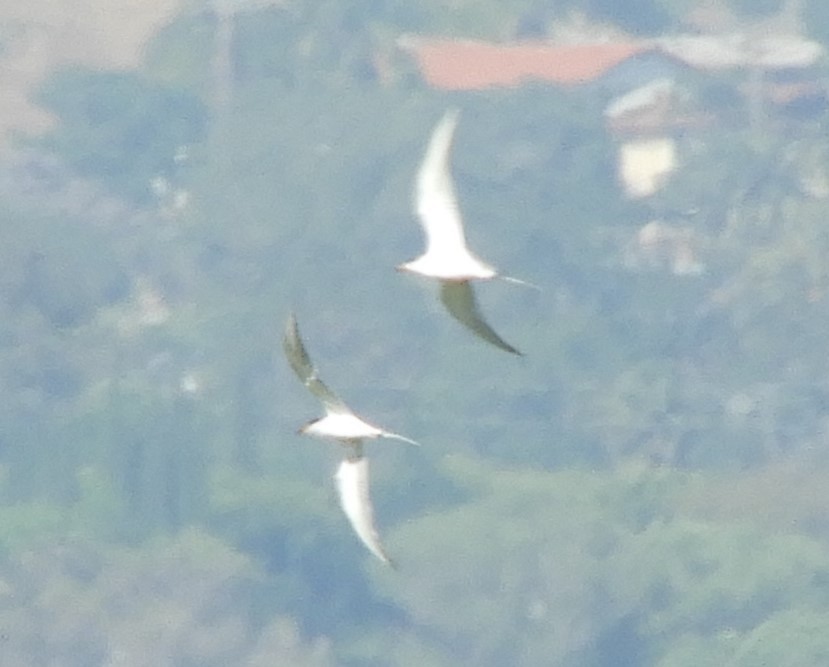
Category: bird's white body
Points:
column 455, row 267
column 447, row 256
column 341, row 424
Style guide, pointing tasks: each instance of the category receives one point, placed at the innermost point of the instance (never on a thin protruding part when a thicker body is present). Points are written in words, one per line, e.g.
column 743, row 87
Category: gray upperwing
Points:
column 459, row 300
column 353, row 488
column 300, row 361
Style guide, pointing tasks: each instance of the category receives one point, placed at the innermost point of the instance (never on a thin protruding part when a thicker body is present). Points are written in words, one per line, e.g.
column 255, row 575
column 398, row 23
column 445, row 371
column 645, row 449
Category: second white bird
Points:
column 341, row 424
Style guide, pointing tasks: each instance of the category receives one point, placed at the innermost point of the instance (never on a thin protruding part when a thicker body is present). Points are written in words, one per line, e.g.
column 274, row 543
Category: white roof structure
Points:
column 742, row 50
column 641, row 98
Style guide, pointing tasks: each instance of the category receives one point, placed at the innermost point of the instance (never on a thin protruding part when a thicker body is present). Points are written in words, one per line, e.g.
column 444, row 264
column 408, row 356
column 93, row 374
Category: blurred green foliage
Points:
column 815, row 15
column 120, row 127
column 646, row 487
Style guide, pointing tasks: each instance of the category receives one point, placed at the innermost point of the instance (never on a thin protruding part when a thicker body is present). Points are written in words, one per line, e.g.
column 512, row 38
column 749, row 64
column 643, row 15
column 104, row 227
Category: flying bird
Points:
column 341, row 424
column 447, row 257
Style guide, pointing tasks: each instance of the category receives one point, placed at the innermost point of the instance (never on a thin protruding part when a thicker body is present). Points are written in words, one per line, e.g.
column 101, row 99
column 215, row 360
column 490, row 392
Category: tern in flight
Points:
column 341, row 424
column 447, row 257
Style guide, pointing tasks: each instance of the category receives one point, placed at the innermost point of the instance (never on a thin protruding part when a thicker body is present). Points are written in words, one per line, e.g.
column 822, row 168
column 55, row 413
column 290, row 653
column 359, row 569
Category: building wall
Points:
column 645, row 164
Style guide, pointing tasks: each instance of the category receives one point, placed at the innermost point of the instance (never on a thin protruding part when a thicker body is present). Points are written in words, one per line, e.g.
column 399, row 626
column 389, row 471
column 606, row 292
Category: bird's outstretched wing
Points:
column 353, row 489
column 435, row 199
column 301, row 363
column 459, row 300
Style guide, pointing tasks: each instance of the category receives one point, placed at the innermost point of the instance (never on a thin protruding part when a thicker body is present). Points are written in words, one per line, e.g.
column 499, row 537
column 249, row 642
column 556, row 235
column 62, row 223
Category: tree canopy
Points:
column 646, row 487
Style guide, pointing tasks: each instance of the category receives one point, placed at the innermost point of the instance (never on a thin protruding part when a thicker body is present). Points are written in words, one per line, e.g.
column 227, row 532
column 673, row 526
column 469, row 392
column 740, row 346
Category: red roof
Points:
column 468, row 65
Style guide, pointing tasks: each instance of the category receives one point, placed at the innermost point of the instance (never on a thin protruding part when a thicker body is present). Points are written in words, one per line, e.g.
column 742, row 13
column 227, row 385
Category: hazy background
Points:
column 648, row 486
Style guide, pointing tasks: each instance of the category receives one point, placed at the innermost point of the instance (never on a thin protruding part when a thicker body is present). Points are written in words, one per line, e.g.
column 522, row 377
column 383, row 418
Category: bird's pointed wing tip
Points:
column 459, row 300
column 291, row 325
column 452, row 114
column 292, row 343
column 504, row 345
column 352, row 485
column 448, row 122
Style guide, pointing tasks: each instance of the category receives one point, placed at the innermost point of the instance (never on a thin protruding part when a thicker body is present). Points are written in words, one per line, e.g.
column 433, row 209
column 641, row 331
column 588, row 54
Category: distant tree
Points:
column 816, row 20
column 540, row 585
column 294, row 529
column 756, row 8
column 186, row 601
column 120, row 128
column 637, row 16
column 180, row 53
column 582, row 568
column 794, row 637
